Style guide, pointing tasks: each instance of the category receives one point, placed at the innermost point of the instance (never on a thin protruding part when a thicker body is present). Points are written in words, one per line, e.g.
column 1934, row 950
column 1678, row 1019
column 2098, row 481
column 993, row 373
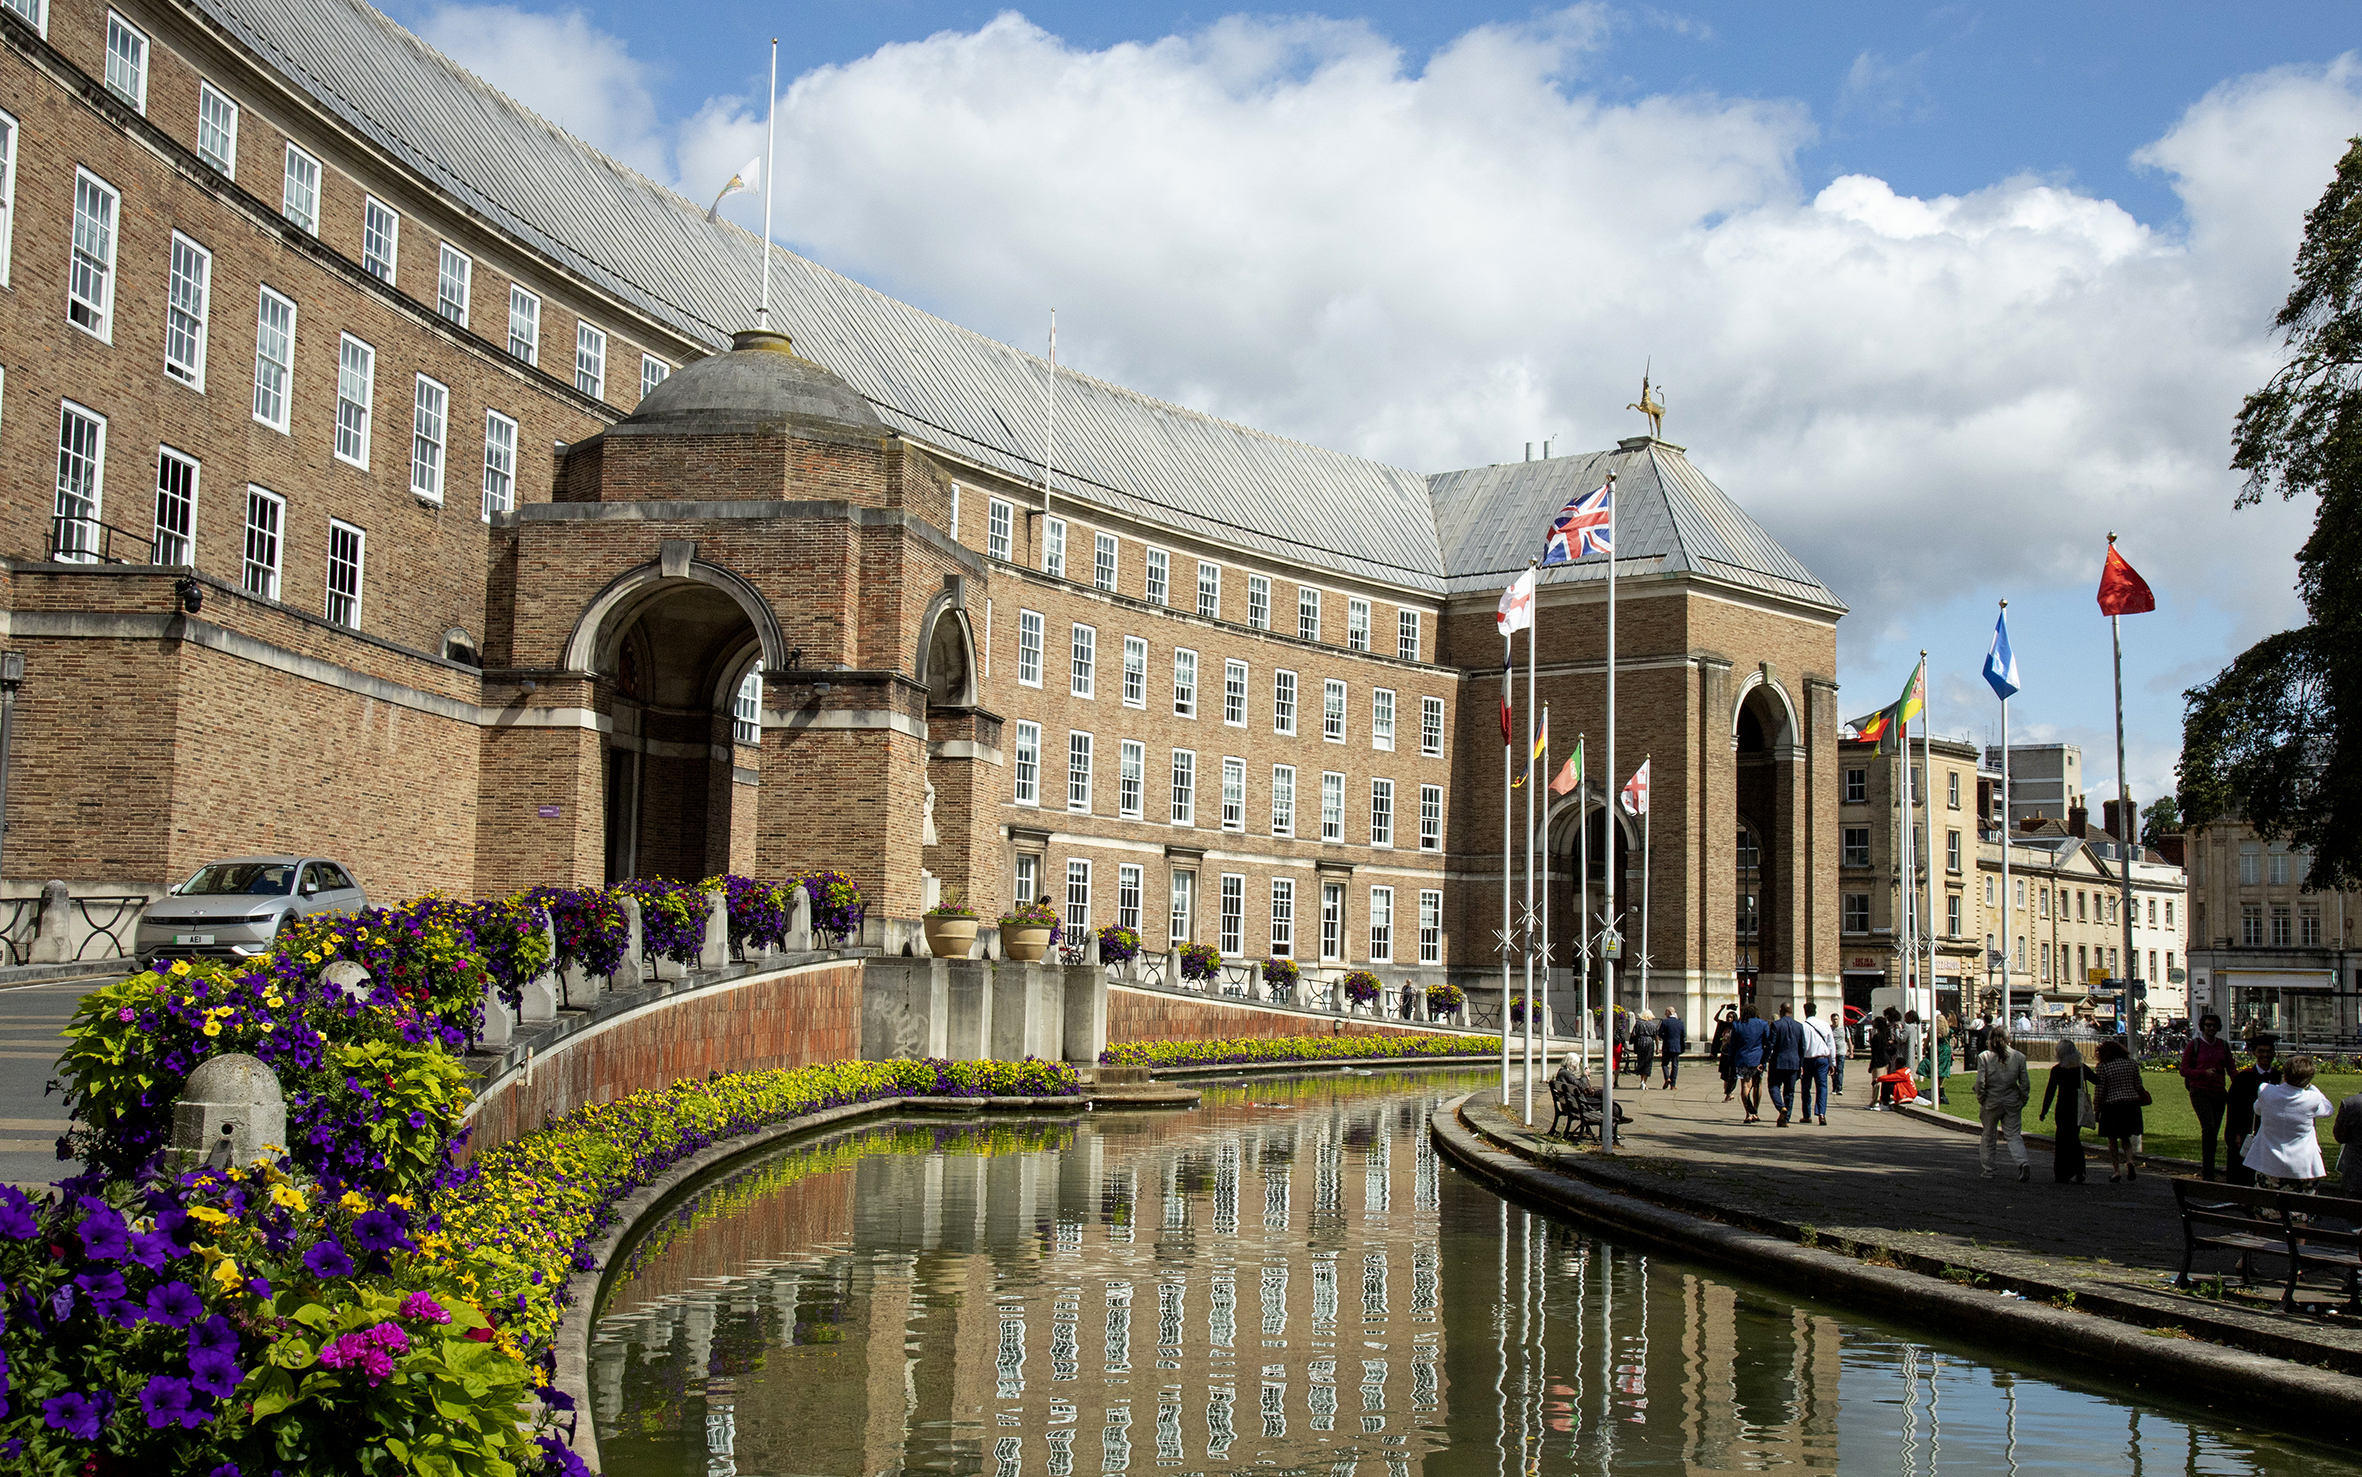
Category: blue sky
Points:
column 1941, row 294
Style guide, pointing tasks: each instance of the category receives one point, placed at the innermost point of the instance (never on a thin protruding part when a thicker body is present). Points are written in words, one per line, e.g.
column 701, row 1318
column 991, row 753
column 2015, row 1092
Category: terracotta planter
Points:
column 1026, row 945
column 950, row 938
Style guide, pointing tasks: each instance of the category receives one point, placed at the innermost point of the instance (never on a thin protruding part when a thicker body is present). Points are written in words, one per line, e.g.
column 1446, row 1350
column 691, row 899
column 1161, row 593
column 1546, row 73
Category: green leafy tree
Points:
column 2276, row 737
column 2162, row 818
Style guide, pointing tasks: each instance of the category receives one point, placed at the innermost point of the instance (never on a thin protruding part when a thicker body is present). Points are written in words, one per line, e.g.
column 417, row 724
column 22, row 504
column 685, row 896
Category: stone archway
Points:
column 1767, row 876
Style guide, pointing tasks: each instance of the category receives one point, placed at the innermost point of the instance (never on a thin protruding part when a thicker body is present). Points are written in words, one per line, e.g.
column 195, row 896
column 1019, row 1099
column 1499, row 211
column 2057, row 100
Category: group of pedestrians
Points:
column 2264, row 1112
column 1801, row 1056
column 2107, row 1096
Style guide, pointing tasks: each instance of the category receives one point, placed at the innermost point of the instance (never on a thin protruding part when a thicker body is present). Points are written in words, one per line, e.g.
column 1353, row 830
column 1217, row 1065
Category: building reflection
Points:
column 1286, row 1279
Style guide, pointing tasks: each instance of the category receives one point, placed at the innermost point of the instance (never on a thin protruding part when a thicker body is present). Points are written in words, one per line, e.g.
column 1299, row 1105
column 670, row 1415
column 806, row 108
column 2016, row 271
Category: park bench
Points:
column 1576, row 1104
column 2313, row 1233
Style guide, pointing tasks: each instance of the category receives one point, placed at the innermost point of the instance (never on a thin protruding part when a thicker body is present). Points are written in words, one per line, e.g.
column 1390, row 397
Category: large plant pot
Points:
column 1026, row 945
column 950, row 938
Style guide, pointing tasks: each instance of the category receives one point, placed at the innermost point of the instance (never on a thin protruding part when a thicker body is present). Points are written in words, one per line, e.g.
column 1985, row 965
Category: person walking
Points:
column 2121, row 1098
column 2002, row 1090
column 1726, row 1059
column 2285, row 1152
column 1842, row 1040
column 1819, row 1049
column 1644, row 1047
column 2206, row 1073
column 1945, row 1027
column 2239, row 1107
column 1672, row 1041
column 1786, row 1059
column 1976, row 1036
column 1750, row 1040
column 2070, row 1088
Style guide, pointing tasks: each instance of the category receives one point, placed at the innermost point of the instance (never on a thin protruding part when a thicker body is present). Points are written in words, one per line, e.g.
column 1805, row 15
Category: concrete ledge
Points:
column 18, row 976
column 1329, row 1065
column 584, row 1289
column 2317, row 1402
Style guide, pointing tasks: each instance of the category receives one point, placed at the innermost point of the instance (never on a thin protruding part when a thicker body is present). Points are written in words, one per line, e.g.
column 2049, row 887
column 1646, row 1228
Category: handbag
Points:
column 2146, row 1100
column 2083, row 1101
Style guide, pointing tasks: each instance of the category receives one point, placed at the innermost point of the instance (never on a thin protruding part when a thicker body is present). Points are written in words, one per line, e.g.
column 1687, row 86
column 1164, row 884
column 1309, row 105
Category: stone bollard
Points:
column 630, row 971
column 500, row 1022
column 350, row 978
column 799, row 921
column 538, row 997
column 230, row 1112
column 716, row 953
column 53, row 943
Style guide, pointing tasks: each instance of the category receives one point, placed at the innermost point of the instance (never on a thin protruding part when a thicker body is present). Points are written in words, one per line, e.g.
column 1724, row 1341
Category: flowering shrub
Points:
column 374, row 1089
column 591, row 929
column 953, row 904
column 758, row 911
column 1200, row 962
column 421, row 955
column 672, row 917
column 511, row 935
column 1117, row 944
column 1293, row 1049
column 235, row 1321
column 1361, row 987
column 1033, row 915
column 1517, row 1011
column 837, row 907
column 1445, row 997
column 1281, row 975
column 527, row 1211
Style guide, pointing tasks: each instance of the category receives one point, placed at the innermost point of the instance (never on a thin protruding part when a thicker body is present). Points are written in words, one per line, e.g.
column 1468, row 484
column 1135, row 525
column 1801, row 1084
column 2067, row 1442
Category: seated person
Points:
column 1897, row 1087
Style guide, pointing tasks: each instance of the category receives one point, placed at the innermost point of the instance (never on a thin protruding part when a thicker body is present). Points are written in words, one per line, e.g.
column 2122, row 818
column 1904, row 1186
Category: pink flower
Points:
column 422, row 1305
column 390, row 1338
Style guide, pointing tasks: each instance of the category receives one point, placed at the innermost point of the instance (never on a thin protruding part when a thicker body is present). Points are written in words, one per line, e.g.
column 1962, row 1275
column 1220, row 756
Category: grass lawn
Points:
column 2171, row 1128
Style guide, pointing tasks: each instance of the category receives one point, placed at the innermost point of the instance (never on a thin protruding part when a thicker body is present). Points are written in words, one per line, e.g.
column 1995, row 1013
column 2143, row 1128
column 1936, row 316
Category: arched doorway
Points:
column 1601, row 871
column 1765, row 943
column 678, row 656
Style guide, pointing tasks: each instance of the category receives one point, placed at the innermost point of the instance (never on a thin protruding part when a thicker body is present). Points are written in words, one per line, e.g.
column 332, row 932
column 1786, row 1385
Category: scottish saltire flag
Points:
column 1586, row 525
column 2001, row 664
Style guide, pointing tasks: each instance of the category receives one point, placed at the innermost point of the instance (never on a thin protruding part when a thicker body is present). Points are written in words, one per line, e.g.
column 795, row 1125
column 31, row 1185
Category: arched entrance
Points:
column 678, row 649
column 1766, row 928
column 1602, row 871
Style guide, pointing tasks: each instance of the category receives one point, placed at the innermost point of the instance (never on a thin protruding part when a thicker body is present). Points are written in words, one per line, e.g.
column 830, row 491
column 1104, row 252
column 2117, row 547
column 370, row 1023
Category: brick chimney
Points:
column 2108, row 819
column 2078, row 822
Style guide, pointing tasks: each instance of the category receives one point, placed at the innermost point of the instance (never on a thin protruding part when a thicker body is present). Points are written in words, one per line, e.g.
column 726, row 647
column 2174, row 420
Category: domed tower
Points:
column 729, row 635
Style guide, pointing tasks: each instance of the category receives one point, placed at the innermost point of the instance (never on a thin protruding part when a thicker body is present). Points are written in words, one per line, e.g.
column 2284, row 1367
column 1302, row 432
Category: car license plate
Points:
column 192, row 938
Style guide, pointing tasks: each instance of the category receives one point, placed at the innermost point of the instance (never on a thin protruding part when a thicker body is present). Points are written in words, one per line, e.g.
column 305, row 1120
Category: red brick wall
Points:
column 807, row 1015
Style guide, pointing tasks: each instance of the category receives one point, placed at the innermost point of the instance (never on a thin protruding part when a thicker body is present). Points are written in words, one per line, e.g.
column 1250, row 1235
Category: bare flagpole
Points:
column 1607, row 1035
column 1927, row 780
column 1050, row 413
column 770, row 147
column 1533, row 632
column 1583, row 905
column 1508, row 821
column 2006, row 827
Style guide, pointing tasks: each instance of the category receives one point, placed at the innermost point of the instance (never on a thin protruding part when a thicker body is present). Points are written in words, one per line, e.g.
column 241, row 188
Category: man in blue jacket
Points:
column 1673, row 1040
column 1787, row 1059
column 1749, row 1040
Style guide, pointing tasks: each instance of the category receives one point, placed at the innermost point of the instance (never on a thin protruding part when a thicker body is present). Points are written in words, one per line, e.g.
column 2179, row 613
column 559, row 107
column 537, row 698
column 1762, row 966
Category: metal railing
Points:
column 74, row 540
column 1319, row 988
column 20, row 925
column 122, row 915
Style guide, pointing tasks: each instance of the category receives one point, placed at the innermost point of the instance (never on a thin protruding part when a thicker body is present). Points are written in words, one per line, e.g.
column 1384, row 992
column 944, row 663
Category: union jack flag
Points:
column 1586, row 525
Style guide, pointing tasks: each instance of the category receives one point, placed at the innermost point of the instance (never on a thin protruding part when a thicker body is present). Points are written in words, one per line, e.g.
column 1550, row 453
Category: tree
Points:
column 2162, row 818
column 2276, row 737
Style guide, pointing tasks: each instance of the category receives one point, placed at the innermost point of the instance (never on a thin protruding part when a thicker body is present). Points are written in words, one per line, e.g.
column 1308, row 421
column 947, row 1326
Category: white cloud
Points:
column 1282, row 221
column 562, row 67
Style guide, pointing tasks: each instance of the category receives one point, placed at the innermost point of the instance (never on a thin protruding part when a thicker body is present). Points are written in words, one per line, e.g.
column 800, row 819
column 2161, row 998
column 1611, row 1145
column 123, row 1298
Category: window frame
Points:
column 90, row 496
column 493, row 419
column 371, row 209
column 1854, row 913
column 284, row 390
column 101, row 322
column 1332, row 921
column 1382, row 719
column 1025, row 765
column 1431, row 817
column 185, row 534
column 1430, row 733
column 1430, row 925
column 1078, row 896
column 1081, row 749
column 1283, row 918
column 1234, row 793
column 1380, row 923
column 1283, row 800
column 1180, row 906
column 1333, row 697
column 1184, row 686
column 1027, row 876
column 224, row 163
column 1030, row 623
column 653, row 372
column 136, row 94
column 191, row 373
column 354, row 425
column 1134, row 691
column 1105, row 566
column 1209, row 597
column 1235, row 676
column 1856, row 787
column 12, row 143
column 357, row 539
column 1258, row 602
column 1054, row 547
column 1130, row 883
column 1156, row 577
column 1381, row 812
column 1307, row 613
column 746, row 708
column 1332, row 806
column 290, row 178
column 1083, row 661
column 274, row 569
column 1408, row 634
column 1851, row 853
column 590, row 341
column 1357, row 623
column 442, row 438
column 1284, row 692
column 1184, row 774
column 1231, row 927
column 525, row 305
column 465, row 279
column 999, row 528
column 1131, row 778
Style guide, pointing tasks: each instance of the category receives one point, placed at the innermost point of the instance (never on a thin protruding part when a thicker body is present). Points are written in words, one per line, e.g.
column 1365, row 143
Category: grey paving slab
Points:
column 32, row 1021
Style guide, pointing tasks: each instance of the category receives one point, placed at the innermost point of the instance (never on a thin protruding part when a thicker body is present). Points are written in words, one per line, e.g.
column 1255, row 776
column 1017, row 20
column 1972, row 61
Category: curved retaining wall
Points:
column 791, row 1017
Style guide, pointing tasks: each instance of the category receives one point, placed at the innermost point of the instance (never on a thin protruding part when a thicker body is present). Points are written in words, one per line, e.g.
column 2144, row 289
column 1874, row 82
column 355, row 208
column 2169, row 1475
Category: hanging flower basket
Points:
column 1361, row 987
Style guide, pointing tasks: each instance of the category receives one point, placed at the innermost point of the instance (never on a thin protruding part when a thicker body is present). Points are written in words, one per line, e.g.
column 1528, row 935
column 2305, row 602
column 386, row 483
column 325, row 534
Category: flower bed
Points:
column 528, row 1211
column 1292, row 1049
column 591, row 929
column 672, row 917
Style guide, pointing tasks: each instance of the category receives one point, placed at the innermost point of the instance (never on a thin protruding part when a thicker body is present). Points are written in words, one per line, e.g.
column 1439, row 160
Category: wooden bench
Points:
column 2312, row 1233
column 1577, row 1103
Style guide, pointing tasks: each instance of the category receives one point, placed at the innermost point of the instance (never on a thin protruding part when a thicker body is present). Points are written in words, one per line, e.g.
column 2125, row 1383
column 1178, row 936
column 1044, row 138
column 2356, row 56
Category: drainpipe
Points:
column 12, row 677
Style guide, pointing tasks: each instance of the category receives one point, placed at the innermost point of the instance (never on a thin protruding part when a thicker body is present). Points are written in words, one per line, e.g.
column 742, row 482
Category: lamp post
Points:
column 12, row 677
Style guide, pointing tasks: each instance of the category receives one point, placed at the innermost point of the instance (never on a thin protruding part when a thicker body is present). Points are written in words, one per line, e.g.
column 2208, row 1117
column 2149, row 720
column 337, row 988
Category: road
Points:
column 32, row 1021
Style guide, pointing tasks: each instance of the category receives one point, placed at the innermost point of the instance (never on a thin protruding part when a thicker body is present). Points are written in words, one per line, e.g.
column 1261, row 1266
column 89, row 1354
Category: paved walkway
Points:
column 1888, row 1185
column 32, row 1022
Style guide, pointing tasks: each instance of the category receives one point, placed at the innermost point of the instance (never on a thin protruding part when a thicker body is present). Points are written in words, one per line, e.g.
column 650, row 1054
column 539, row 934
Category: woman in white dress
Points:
column 2284, row 1152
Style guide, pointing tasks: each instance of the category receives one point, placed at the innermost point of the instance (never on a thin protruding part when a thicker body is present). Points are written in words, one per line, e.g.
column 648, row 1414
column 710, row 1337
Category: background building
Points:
column 2262, row 949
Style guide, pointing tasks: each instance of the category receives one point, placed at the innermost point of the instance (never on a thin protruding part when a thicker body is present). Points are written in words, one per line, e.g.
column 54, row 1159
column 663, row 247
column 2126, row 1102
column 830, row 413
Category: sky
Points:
column 1942, row 295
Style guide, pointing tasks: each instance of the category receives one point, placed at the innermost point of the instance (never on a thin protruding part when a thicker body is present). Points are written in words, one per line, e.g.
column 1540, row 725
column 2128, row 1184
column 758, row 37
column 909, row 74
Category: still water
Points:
column 1286, row 1281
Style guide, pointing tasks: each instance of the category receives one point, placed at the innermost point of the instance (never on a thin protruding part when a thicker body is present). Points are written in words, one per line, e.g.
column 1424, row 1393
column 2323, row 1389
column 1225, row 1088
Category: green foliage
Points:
column 1293, row 1049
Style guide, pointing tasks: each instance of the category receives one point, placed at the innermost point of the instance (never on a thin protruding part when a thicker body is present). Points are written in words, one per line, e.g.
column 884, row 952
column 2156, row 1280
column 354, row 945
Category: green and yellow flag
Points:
column 1886, row 725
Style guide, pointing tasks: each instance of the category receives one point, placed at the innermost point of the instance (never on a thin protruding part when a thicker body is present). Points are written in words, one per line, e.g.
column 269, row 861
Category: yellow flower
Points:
column 212, row 1027
column 354, row 1201
column 289, row 1196
column 208, row 1215
column 180, row 966
column 227, row 1274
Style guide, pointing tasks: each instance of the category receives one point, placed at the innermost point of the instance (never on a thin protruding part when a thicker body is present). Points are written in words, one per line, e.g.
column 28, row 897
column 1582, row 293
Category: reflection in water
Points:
column 1287, row 1279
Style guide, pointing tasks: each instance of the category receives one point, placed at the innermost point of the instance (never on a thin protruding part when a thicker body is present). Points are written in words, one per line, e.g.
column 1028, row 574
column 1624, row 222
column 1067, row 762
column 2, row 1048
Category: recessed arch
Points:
column 1791, row 727
column 590, row 646
column 947, row 654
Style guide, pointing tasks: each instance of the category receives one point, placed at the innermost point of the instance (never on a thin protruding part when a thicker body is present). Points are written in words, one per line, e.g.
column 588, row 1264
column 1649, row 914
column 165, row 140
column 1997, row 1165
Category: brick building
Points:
column 391, row 475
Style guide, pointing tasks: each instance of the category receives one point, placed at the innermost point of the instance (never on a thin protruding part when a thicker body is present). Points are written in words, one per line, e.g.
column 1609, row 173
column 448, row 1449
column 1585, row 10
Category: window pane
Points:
column 524, row 325
column 81, row 467
column 217, row 130
column 451, row 285
column 1028, row 768
column 299, row 200
column 590, row 360
column 345, row 546
column 1209, row 591
column 500, row 463
column 356, row 377
column 1258, row 602
column 187, row 293
column 426, row 439
column 746, row 710
column 90, row 273
column 176, row 508
column 127, row 62
column 380, row 238
column 653, row 372
column 996, row 532
column 263, row 514
column 274, row 358
column 1159, row 572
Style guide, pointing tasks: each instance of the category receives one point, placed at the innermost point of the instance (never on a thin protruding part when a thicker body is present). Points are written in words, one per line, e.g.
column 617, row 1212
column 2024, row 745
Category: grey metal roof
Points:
column 936, row 382
column 1670, row 519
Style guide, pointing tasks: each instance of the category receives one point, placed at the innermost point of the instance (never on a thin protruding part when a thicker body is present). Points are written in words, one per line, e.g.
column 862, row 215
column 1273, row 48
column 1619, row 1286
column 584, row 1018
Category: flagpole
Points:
column 770, row 146
column 1583, row 903
column 1533, row 633
column 1927, row 782
column 1645, row 810
column 1910, row 955
column 2124, row 819
column 1544, row 1007
column 1050, row 413
column 2006, row 827
column 1508, row 821
column 1607, row 1035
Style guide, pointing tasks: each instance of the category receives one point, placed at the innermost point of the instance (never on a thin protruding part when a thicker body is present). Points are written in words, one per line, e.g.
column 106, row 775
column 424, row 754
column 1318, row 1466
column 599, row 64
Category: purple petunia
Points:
column 214, row 1335
column 17, row 1221
column 215, row 1373
column 374, row 1230
column 422, row 1305
column 77, row 1414
column 226, row 1469
column 167, row 1402
column 328, row 1259
column 104, row 1236
column 559, row 1459
column 151, row 1249
column 101, row 1287
column 174, row 1303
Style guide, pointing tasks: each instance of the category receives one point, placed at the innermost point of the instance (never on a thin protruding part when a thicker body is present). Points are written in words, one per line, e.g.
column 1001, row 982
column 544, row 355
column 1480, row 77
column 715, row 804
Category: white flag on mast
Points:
column 1517, row 605
column 748, row 177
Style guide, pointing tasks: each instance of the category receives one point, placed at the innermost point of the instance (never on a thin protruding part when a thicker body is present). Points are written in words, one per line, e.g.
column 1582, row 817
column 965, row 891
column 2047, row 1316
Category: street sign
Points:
column 1611, row 945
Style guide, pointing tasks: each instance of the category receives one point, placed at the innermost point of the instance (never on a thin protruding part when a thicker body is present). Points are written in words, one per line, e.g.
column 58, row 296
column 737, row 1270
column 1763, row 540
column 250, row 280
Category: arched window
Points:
column 746, row 712
column 1750, row 884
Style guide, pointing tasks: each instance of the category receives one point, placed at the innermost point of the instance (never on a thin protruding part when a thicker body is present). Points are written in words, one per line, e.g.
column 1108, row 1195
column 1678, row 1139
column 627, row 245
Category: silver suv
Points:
column 233, row 909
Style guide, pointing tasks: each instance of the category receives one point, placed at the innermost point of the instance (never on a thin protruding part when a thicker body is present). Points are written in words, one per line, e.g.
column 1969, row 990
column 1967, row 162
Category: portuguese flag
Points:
column 1886, row 725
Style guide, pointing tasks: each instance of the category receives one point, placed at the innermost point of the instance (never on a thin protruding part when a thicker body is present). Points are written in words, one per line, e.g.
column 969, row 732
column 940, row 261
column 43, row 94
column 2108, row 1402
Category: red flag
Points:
column 2122, row 590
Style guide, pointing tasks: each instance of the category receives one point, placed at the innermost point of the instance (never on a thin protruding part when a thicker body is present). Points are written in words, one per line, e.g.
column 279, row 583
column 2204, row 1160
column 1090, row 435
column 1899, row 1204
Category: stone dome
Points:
column 760, row 385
